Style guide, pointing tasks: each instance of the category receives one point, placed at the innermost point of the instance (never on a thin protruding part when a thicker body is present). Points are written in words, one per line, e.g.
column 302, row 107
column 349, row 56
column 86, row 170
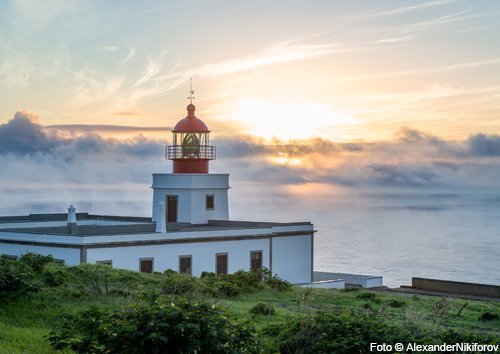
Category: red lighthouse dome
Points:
column 191, row 123
column 190, row 151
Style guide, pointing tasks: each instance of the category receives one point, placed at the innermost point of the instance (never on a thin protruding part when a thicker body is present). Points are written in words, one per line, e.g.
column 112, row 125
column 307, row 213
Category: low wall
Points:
column 365, row 281
column 456, row 287
column 325, row 284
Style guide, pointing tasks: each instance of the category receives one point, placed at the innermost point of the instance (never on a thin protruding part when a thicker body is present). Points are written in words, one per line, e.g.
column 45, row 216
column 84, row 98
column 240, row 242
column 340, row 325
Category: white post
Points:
column 71, row 215
column 161, row 225
column 72, row 220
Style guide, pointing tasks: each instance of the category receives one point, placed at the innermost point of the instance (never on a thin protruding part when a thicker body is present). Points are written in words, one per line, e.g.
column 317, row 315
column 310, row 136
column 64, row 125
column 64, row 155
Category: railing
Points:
column 203, row 152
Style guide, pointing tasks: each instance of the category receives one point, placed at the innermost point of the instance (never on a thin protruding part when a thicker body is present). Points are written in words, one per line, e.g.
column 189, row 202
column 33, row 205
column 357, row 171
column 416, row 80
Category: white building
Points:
column 189, row 230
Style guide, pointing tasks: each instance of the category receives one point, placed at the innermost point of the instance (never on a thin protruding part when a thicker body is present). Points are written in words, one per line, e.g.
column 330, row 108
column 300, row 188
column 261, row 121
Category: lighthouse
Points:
column 189, row 230
column 190, row 194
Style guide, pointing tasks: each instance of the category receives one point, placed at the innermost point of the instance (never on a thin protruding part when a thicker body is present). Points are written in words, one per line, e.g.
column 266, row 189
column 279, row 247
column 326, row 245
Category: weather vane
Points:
column 191, row 93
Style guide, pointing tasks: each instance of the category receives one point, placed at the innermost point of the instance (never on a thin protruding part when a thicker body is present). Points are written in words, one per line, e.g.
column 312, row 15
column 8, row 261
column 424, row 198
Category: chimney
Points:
column 72, row 220
column 161, row 225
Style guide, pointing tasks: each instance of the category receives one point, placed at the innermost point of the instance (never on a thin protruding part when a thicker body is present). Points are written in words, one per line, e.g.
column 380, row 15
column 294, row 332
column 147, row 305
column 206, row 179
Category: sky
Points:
column 311, row 97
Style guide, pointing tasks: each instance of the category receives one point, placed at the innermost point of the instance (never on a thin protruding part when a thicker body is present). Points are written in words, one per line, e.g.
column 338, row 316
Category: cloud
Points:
column 126, row 113
column 412, row 8
column 130, row 54
column 485, row 145
column 108, row 48
column 97, row 128
column 463, row 65
column 15, row 67
column 403, row 175
column 30, row 152
column 152, row 68
column 23, row 135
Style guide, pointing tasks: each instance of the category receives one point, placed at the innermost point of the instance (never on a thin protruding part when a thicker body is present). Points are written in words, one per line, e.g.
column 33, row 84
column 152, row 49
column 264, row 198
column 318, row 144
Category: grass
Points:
column 26, row 320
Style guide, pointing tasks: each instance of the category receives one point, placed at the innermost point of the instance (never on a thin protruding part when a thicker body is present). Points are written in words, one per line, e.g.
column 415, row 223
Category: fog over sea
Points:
column 445, row 234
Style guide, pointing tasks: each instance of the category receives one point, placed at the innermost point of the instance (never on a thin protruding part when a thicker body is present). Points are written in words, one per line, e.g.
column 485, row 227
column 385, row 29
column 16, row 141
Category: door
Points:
column 171, row 208
column 185, row 264
column 221, row 264
column 255, row 260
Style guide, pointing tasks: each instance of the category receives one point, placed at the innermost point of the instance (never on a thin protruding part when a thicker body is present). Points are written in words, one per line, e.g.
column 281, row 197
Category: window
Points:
column 221, row 263
column 106, row 262
column 210, row 202
column 185, row 264
column 191, row 146
column 59, row 261
column 255, row 260
column 146, row 265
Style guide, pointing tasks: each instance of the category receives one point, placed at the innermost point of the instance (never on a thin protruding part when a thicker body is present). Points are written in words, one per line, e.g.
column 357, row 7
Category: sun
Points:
column 290, row 120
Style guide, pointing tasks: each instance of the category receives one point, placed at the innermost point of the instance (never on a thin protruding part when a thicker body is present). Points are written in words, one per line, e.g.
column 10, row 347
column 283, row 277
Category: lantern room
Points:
column 190, row 151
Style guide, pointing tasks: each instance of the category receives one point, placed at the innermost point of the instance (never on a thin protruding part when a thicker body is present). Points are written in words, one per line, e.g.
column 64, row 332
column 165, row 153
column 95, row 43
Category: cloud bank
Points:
column 30, row 152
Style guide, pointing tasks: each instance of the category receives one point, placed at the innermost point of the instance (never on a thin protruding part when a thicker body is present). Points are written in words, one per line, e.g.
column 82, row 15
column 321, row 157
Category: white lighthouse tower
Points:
column 190, row 194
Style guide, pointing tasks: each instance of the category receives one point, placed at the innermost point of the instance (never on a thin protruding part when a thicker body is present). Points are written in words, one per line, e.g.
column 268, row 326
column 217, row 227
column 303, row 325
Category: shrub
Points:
column 277, row 283
column 348, row 332
column 367, row 306
column 54, row 274
column 366, row 296
column 16, row 278
column 489, row 316
column 263, row 309
column 163, row 327
column 36, row 261
column 174, row 283
column 353, row 331
column 226, row 289
column 440, row 308
column 100, row 279
column 396, row 303
column 246, row 281
column 350, row 290
column 207, row 275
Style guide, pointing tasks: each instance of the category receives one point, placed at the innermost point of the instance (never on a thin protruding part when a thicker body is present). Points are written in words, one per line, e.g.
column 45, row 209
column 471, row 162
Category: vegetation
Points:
column 47, row 307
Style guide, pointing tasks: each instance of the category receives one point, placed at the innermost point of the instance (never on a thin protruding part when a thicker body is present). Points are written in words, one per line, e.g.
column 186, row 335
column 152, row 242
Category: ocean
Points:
column 453, row 235
column 398, row 234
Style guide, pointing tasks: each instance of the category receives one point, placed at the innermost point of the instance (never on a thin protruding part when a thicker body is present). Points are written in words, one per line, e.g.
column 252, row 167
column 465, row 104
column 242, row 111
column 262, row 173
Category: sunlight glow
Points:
column 290, row 120
column 283, row 159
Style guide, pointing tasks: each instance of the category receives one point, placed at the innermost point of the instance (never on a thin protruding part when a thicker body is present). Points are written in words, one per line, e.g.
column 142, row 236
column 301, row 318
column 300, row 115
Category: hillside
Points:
column 36, row 294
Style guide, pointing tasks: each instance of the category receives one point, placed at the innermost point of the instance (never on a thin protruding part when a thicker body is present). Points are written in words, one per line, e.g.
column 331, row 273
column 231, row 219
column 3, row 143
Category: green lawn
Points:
column 26, row 320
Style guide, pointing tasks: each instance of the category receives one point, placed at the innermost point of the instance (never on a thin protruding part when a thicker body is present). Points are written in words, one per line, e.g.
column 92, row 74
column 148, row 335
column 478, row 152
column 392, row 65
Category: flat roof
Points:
column 95, row 225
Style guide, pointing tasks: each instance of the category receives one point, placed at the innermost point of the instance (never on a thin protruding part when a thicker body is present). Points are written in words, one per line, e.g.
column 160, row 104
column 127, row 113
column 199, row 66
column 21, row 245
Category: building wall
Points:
column 167, row 256
column 71, row 256
column 292, row 258
column 191, row 190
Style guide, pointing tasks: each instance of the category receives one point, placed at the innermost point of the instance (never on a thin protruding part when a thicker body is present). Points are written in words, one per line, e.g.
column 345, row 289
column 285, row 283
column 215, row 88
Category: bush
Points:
column 100, row 279
column 54, row 274
column 277, row 283
column 396, row 303
column 36, row 261
column 246, row 281
column 489, row 316
column 348, row 332
column 226, row 289
column 349, row 290
column 353, row 331
column 366, row 296
column 174, row 283
column 16, row 278
column 163, row 327
column 262, row 309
